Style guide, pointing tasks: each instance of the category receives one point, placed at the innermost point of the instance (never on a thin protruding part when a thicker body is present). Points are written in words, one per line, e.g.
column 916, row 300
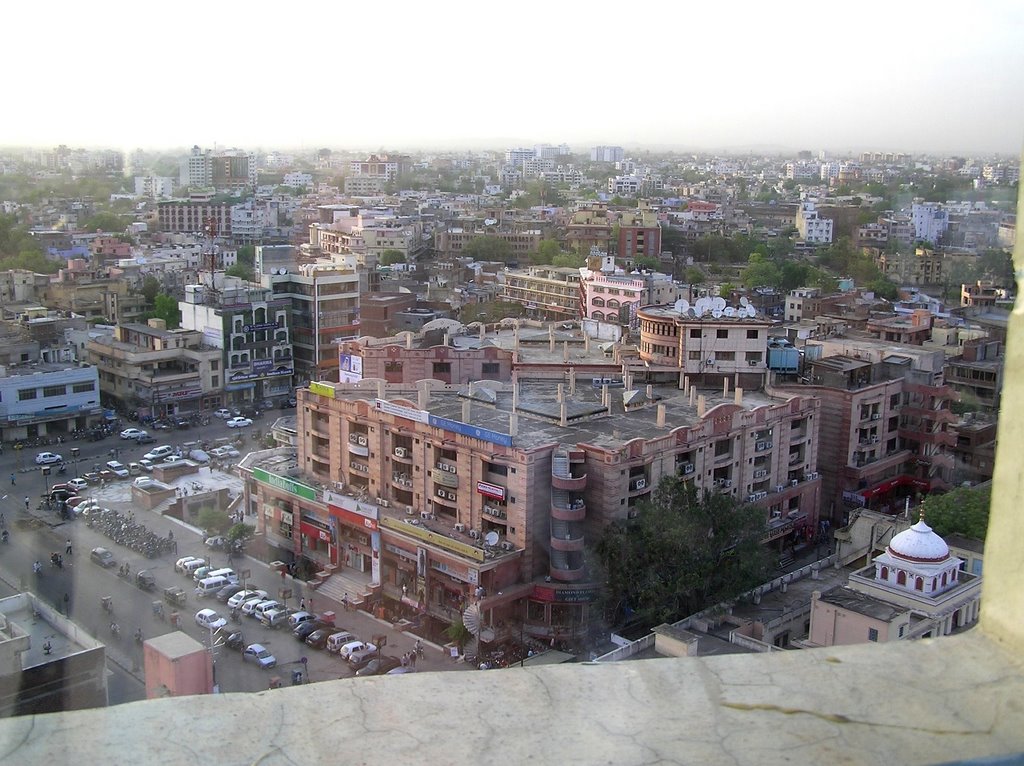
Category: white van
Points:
column 209, row 586
column 266, row 606
column 337, row 640
column 227, row 573
column 191, row 566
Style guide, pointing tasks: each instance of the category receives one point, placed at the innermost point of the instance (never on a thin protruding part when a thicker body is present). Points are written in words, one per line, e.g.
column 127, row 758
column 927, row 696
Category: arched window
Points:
column 236, row 343
column 598, row 301
column 613, row 304
column 885, row 573
column 598, row 315
column 919, row 583
column 943, row 579
column 901, row 578
column 259, row 316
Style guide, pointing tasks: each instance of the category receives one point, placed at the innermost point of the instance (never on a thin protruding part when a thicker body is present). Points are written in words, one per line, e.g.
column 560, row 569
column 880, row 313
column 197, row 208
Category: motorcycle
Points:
column 234, row 615
column 138, row 636
column 62, row 470
column 115, row 629
column 108, row 604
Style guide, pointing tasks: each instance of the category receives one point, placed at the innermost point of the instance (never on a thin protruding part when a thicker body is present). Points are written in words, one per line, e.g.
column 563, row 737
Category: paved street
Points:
column 81, row 584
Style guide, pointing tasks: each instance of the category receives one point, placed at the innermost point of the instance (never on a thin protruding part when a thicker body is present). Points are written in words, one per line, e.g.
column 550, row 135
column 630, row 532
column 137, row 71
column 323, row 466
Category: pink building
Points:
column 176, row 664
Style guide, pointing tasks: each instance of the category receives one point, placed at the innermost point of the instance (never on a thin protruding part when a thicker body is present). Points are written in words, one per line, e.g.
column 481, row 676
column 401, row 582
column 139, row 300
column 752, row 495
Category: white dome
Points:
column 919, row 543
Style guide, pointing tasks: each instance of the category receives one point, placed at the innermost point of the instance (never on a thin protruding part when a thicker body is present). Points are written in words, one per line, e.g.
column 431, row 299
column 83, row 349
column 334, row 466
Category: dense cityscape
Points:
column 475, row 410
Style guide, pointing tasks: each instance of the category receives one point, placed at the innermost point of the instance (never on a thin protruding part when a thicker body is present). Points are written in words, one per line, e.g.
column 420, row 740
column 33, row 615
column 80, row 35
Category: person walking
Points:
column 67, row 549
column 26, row 502
column 12, row 480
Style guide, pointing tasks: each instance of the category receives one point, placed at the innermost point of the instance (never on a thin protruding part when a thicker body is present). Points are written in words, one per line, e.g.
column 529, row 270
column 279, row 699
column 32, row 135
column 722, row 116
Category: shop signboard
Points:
column 290, row 486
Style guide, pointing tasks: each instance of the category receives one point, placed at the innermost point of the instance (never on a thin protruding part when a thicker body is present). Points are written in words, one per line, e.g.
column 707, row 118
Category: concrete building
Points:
column 44, row 399
column 607, row 154
column 385, row 166
column 154, row 187
column 930, row 220
column 523, row 242
column 252, row 328
column 812, row 227
column 360, row 186
column 976, row 374
column 915, row 589
column 612, row 295
column 920, row 266
column 193, row 217
column 906, row 329
column 589, row 228
column 549, row 292
column 48, row 663
column 430, row 355
column 639, row 235
column 227, row 169
column 157, row 371
column 378, row 311
column 176, row 665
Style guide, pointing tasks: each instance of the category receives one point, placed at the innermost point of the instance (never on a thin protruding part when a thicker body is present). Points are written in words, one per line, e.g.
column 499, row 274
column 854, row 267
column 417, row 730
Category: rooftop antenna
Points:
column 210, row 256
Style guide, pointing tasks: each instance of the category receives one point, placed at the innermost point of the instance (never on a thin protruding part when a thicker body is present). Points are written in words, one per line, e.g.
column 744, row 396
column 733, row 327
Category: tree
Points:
column 761, row 272
column 30, row 260
column 150, row 287
column 242, row 271
column 884, row 288
column 246, row 254
column 569, row 260
column 390, row 257
column 458, row 633
column 726, row 289
column 998, row 266
column 693, row 275
column 103, row 222
column 241, row 532
column 166, row 307
column 491, row 248
column 546, row 251
column 681, row 553
column 213, row 520
column 962, row 511
column 489, row 313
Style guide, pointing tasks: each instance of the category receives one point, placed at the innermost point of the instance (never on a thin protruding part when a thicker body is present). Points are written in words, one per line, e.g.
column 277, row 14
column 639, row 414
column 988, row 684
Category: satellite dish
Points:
column 701, row 307
column 682, row 305
column 730, row 312
column 718, row 303
column 751, row 311
column 744, row 302
column 491, row 538
column 716, row 313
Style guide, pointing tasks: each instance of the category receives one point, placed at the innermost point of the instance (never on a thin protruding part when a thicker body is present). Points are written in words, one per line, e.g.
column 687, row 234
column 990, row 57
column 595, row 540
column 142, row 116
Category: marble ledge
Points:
column 922, row 702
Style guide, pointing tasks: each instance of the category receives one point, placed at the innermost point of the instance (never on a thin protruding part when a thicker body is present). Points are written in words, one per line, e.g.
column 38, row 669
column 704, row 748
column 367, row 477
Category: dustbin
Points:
column 327, row 618
column 296, row 677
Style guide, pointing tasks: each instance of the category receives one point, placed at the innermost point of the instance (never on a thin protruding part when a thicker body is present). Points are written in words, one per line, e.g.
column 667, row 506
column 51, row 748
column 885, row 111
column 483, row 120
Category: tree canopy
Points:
column 962, row 511
column 104, row 222
column 546, row 251
column 683, row 552
column 246, row 254
column 150, row 288
column 490, row 313
column 166, row 307
column 484, row 248
column 390, row 257
column 241, row 270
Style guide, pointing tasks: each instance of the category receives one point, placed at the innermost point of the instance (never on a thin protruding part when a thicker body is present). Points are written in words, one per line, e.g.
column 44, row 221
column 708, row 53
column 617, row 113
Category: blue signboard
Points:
column 472, row 431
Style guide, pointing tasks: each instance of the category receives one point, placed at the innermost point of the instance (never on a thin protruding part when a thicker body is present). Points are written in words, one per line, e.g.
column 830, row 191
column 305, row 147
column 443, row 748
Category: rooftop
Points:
column 855, row 601
column 24, row 615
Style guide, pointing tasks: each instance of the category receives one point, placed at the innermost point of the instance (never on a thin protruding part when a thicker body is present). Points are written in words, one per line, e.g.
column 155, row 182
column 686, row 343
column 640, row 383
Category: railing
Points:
column 629, row 650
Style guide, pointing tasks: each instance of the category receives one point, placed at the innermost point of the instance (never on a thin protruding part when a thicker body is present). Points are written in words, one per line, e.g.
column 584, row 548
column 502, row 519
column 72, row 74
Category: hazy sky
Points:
column 895, row 75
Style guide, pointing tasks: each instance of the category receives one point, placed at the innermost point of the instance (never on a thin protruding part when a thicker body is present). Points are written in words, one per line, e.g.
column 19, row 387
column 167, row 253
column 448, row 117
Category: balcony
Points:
column 575, row 510
column 402, row 455
column 561, row 476
column 566, row 574
column 358, row 445
column 445, row 497
column 445, row 479
column 567, row 543
column 639, row 485
column 401, row 480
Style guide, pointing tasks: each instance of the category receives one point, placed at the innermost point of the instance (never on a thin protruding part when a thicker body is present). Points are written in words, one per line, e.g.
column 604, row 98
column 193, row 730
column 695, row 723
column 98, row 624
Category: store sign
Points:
column 564, row 596
column 283, row 482
column 321, row 389
column 353, row 518
column 441, row 541
column 399, row 411
column 276, row 372
column 262, row 365
column 261, row 326
column 490, row 490
column 474, row 432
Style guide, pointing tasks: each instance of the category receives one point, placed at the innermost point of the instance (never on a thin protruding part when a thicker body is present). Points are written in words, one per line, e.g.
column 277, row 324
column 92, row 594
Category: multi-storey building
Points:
column 930, row 221
column 887, row 407
column 977, row 373
column 491, row 491
column 156, row 187
column 228, row 169
column 588, row 228
column 549, row 292
column 40, row 398
column 812, row 227
column 639, row 235
column 615, row 296
column 911, row 329
column 922, row 266
column 158, row 371
column 429, row 356
column 704, row 348
column 606, row 154
column 192, row 217
column 252, row 328
column 386, row 166
column 365, row 185
column 450, row 241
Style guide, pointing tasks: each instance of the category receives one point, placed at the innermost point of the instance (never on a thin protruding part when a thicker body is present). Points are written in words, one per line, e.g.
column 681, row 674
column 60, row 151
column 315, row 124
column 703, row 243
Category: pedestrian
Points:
column 67, row 605
column 12, row 479
column 302, row 604
column 405, row 660
column 412, row 660
column 26, row 502
column 67, row 549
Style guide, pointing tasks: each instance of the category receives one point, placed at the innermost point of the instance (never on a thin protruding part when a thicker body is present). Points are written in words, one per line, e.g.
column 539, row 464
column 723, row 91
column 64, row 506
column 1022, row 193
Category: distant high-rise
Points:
column 606, row 154
column 225, row 169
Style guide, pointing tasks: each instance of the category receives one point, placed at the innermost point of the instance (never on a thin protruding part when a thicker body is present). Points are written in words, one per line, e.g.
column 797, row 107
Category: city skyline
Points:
column 790, row 78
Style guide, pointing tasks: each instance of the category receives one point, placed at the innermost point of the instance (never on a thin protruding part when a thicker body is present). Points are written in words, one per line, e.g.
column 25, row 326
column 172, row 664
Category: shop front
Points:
column 559, row 614
column 359, row 548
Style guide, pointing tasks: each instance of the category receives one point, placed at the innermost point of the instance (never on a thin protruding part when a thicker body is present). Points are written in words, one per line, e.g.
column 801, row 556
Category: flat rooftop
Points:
column 26, row 615
column 855, row 601
column 31, row 368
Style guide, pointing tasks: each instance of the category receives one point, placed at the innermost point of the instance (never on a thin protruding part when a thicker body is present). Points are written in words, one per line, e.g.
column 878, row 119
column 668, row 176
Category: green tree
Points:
column 104, row 222
column 458, row 633
column 30, row 260
column 693, row 276
column 489, row 313
column 761, row 272
column 648, row 262
column 681, row 553
column 485, row 248
column 166, row 307
column 996, row 265
column 390, row 257
column 246, row 254
column 241, row 532
column 962, row 511
column 570, row 260
column 884, row 288
column 213, row 520
column 726, row 289
column 546, row 251
column 794, row 275
column 242, row 271
column 150, row 288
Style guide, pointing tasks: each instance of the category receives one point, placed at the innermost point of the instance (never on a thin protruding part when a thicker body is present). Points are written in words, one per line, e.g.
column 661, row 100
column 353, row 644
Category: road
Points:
column 79, row 587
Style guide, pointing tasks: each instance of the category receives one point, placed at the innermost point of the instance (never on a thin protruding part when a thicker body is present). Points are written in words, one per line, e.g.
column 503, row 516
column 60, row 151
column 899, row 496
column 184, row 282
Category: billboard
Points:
column 350, row 368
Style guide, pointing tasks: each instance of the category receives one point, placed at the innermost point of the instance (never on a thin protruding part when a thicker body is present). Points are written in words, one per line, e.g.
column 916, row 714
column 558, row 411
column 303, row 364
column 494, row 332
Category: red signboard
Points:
column 490, row 490
column 314, row 532
column 354, row 519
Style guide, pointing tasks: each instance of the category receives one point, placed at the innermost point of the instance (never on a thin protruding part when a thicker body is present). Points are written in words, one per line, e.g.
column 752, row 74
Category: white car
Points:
column 119, row 469
column 159, row 452
column 352, row 647
column 249, row 607
column 179, row 565
column 78, row 484
column 222, row 413
column 133, row 433
column 239, row 422
column 245, row 595
column 172, row 460
column 49, row 458
column 146, row 465
column 224, row 452
column 209, row 619
column 143, row 481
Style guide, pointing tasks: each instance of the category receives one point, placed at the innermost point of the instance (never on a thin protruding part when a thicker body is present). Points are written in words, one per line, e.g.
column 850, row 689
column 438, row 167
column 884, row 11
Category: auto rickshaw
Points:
column 144, row 579
column 174, row 595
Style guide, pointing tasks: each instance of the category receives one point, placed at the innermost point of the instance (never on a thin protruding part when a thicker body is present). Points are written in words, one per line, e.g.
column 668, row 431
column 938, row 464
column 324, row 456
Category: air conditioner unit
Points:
column 753, row 363
column 751, row 498
column 640, row 484
column 507, row 546
column 361, row 440
column 441, row 493
column 776, row 514
column 874, row 440
column 793, row 482
column 779, row 487
column 409, row 511
column 687, row 467
column 425, row 514
column 474, row 534
column 768, row 445
column 400, row 451
column 813, row 475
column 760, row 445
column 460, row 527
column 762, row 495
column 727, row 483
column 760, row 473
column 383, row 503
column 339, row 485
column 876, row 416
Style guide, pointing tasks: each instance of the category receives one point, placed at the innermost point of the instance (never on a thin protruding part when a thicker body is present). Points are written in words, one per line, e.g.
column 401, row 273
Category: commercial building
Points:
column 156, row 187
column 386, row 166
column 41, row 398
column 157, row 371
column 194, row 217
column 639, row 235
column 549, row 292
column 812, row 228
column 227, row 169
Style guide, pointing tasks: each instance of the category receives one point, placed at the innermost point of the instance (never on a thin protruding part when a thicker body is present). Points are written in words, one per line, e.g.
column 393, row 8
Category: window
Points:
column 903, row 629
column 726, row 356
column 214, row 365
column 872, row 634
column 721, row 333
column 83, row 388
column 753, row 356
column 694, row 356
column 55, row 390
column 215, row 381
column 491, row 368
column 442, row 367
column 25, row 394
column 753, row 334
column 694, row 333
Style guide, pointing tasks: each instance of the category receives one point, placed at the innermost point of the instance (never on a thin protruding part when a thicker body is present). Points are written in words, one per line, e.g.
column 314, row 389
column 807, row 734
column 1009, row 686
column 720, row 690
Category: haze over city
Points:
column 726, row 77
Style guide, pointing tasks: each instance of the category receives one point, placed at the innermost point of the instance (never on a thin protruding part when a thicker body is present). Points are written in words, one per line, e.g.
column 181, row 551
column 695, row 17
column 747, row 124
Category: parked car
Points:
column 133, row 433
column 235, row 640
column 209, row 619
column 147, row 439
column 354, row 646
column 172, row 460
column 92, row 477
column 300, row 617
column 146, row 465
column 224, row 452
column 158, row 453
column 249, row 607
column 120, row 470
column 201, row 573
column 361, row 657
column 49, row 458
column 318, row 638
column 242, row 596
column 179, row 565
column 217, row 542
column 275, row 618
column 103, row 557
column 182, row 423
column 259, row 654
column 228, row 591
column 190, row 567
column 378, row 666
column 238, row 423
column 337, row 640
column 400, row 670
column 134, row 469
column 222, row 413
column 265, row 606
column 302, row 631
column 199, row 456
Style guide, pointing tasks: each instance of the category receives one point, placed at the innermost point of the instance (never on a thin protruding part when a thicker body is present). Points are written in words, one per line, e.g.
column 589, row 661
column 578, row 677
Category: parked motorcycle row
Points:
column 123, row 531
